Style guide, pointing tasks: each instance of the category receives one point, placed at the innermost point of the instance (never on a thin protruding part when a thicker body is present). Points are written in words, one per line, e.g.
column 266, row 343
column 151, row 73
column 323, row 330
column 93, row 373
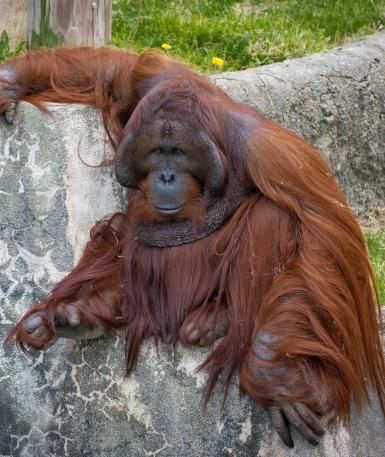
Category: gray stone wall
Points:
column 73, row 399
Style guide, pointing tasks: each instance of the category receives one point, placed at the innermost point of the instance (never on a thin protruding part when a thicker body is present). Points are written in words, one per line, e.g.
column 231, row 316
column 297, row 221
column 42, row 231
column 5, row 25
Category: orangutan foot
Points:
column 309, row 424
column 204, row 333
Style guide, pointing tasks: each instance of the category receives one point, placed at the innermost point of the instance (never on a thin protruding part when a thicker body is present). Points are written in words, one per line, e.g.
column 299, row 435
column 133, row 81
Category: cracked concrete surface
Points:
column 73, row 399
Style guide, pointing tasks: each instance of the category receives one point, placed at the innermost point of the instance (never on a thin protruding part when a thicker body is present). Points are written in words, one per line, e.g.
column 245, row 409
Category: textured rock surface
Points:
column 73, row 400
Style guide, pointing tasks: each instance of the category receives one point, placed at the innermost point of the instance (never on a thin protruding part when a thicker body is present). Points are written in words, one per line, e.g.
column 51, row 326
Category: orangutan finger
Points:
column 9, row 113
column 295, row 419
column 203, row 338
column 66, row 315
column 193, row 334
column 69, row 324
column 281, row 426
column 313, row 421
column 72, row 315
column 80, row 332
column 261, row 346
column 39, row 332
column 222, row 324
column 208, row 338
column 34, row 321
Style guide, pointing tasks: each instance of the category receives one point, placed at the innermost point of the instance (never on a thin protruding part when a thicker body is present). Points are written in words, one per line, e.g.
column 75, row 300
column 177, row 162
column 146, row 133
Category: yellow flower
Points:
column 217, row 61
column 166, row 46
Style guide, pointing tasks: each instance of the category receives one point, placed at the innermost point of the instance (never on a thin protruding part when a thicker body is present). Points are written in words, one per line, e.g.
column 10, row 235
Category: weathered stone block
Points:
column 73, row 399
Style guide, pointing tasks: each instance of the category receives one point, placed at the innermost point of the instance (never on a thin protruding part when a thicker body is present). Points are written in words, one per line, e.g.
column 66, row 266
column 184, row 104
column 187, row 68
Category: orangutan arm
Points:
column 86, row 303
column 316, row 336
column 98, row 77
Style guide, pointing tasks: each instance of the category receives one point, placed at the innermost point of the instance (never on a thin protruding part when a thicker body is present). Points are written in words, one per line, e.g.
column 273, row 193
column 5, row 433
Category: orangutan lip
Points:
column 168, row 211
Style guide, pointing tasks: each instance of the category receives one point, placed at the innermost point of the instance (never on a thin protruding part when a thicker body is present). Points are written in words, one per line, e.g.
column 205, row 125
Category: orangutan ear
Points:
column 211, row 166
column 124, row 170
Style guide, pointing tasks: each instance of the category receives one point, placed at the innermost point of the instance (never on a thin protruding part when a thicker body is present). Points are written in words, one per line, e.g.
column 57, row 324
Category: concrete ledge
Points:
column 73, row 400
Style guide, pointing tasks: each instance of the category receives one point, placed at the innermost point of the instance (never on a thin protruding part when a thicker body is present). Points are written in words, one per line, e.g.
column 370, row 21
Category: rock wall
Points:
column 73, row 399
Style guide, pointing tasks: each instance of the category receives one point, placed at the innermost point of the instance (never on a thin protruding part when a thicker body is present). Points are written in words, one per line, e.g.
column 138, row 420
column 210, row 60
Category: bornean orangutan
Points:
column 235, row 231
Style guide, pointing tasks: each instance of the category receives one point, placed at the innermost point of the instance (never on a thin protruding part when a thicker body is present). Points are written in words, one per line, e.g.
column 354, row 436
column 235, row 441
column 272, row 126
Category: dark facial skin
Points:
column 167, row 168
column 166, row 159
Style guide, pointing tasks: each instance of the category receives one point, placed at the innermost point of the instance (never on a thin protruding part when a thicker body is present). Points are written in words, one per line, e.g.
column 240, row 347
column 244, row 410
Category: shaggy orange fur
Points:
column 290, row 261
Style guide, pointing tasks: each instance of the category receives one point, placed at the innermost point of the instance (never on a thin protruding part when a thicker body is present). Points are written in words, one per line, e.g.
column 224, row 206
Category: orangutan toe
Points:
column 202, row 337
column 36, row 331
column 204, row 333
column 34, row 322
column 73, row 316
column 69, row 324
column 281, row 426
column 298, row 415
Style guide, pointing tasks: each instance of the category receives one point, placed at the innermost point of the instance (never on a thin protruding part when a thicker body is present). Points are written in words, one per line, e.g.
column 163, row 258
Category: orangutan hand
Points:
column 68, row 324
column 8, row 94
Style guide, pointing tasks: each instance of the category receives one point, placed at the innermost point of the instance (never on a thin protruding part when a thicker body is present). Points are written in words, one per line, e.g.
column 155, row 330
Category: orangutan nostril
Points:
column 167, row 177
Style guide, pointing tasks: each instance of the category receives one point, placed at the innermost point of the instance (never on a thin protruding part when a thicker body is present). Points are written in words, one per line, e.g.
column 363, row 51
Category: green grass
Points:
column 375, row 240
column 5, row 51
column 243, row 33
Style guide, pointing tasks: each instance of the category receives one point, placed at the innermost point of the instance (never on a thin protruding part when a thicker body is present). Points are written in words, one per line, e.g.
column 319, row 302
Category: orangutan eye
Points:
column 167, row 150
column 177, row 151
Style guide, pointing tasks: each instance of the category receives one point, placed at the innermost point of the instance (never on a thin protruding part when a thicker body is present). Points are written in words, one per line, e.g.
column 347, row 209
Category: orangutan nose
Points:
column 167, row 177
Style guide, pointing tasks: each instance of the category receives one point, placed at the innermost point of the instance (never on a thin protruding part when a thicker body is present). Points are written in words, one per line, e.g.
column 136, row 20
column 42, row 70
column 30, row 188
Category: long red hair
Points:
column 291, row 260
